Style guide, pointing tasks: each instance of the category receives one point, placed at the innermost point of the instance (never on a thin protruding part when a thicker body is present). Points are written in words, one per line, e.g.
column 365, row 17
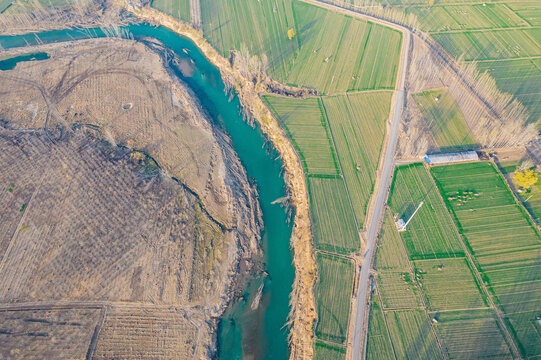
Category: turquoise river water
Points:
column 243, row 333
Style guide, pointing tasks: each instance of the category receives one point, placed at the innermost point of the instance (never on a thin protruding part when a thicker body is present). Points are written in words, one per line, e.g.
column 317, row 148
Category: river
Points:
column 243, row 332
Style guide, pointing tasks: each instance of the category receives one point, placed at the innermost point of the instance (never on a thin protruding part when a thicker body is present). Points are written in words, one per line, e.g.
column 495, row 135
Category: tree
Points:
column 290, row 34
column 526, row 179
column 430, row 2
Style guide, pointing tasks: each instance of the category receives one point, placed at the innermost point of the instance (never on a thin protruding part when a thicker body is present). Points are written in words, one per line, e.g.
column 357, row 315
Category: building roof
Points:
column 451, row 157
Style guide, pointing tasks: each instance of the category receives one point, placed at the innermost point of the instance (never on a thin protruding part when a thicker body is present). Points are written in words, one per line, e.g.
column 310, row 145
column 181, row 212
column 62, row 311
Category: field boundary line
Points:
column 508, row 338
column 96, row 334
column 458, row 31
column 384, row 319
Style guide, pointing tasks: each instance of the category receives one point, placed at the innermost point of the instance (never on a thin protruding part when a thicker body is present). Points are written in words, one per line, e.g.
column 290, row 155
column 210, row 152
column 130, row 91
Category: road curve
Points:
column 385, row 172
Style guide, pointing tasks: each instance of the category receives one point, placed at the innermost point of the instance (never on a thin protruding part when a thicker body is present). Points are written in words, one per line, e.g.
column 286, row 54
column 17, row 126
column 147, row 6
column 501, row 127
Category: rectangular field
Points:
column 334, row 225
column 179, row 9
column 448, row 284
column 325, row 351
column 307, row 128
column 260, row 26
column 339, row 53
column 412, row 335
column 445, row 120
column 390, row 254
column 430, row 234
column 397, row 289
column 520, row 77
column 473, row 334
column 506, row 244
column 496, row 44
column 379, row 345
column 357, row 121
column 528, row 10
column 333, row 291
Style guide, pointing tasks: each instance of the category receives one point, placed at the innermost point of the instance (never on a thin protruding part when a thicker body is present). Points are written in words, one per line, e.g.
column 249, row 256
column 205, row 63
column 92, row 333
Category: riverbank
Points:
column 303, row 312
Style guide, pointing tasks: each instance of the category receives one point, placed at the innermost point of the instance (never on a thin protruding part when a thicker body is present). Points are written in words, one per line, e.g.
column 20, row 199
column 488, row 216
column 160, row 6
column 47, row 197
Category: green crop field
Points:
column 448, row 284
column 339, row 53
column 179, row 9
column 520, row 77
column 472, row 334
column 358, row 121
column 261, row 26
column 506, row 245
column 325, row 351
column 528, row 10
column 411, row 335
column 306, row 126
column 445, row 120
column 378, row 345
column 487, row 45
column 390, row 253
column 334, row 225
column 430, row 234
column 333, row 293
column 397, row 289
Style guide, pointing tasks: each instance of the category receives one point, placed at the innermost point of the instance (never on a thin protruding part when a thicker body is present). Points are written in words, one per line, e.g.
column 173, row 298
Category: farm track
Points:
column 509, row 339
column 195, row 13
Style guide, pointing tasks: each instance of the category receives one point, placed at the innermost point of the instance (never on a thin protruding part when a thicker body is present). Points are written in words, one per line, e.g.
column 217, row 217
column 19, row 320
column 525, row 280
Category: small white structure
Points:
column 451, row 157
column 402, row 225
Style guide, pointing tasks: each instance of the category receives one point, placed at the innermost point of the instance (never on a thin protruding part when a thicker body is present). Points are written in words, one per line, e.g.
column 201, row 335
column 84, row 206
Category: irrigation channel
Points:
column 260, row 334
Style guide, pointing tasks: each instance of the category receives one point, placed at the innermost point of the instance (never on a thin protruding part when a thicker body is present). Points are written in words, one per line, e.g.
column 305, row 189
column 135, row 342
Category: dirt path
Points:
column 195, row 13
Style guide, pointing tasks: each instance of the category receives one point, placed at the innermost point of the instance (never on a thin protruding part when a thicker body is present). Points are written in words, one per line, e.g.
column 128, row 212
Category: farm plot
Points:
column 445, row 120
column 528, row 10
column 325, row 351
column 448, row 284
column 520, row 77
column 412, row 335
column 306, row 126
column 260, row 26
column 379, row 345
column 339, row 53
column 397, row 289
column 486, row 45
column 390, row 253
column 333, row 293
column 179, row 9
column 460, row 17
column 357, row 122
column 506, row 245
column 334, row 225
column 473, row 334
column 430, row 234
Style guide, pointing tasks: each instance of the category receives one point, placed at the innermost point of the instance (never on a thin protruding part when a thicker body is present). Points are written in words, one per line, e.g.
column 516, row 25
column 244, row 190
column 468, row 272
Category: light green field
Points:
column 324, row 351
column 390, row 253
column 305, row 123
column 333, row 293
column 445, row 120
column 506, row 245
column 397, row 289
column 488, row 45
column 261, row 26
column 462, row 17
column 530, row 11
column 339, row 53
column 357, row 121
column 179, row 9
column 520, row 77
column 412, row 335
column 430, row 234
column 473, row 334
column 378, row 345
column 333, row 222
column 448, row 284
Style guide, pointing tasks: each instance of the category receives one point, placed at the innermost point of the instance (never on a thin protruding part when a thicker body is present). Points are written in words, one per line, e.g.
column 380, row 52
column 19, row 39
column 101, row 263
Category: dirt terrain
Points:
column 127, row 219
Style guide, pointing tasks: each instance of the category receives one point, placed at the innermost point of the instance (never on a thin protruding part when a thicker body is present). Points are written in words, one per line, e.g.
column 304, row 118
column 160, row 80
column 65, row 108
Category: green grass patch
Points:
column 179, row 9
column 378, row 345
column 412, row 335
column 472, row 334
column 358, row 121
column 333, row 293
column 325, row 351
column 334, row 225
column 448, row 284
column 445, row 120
column 430, row 234
column 305, row 124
